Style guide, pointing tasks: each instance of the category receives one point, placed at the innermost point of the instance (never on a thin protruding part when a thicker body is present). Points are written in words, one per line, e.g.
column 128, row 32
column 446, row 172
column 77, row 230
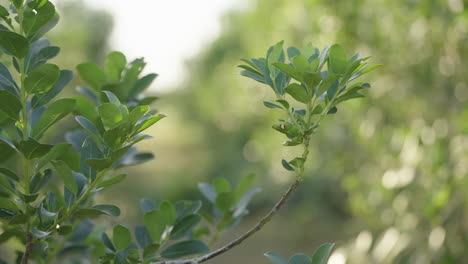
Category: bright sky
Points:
column 165, row 32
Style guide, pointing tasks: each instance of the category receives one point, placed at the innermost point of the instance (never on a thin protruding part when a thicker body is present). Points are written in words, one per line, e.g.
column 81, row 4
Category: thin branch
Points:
column 243, row 237
column 27, row 251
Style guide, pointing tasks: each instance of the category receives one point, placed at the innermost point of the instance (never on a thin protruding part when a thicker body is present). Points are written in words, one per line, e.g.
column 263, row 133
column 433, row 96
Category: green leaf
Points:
column 326, row 83
column 147, row 205
column 18, row 3
column 185, row 207
column 185, row 248
column 107, row 242
column 42, row 78
column 332, row 90
column 6, row 80
column 98, row 210
column 300, row 259
column 338, row 59
column 137, row 113
column 92, row 74
column 297, row 162
column 54, row 112
column 168, row 212
column 155, row 224
column 221, row 185
column 14, row 43
column 115, row 64
column 271, row 105
column 302, row 64
column 35, row 19
column 321, row 254
column 8, row 204
column 89, row 150
column 100, row 164
column 286, row 165
column 33, row 149
column 253, row 76
column 39, row 233
column 142, row 84
column 110, row 115
column 289, row 70
column 111, row 181
column 208, row 191
column 7, row 151
column 244, row 185
column 147, row 123
column 276, row 258
column 298, row 92
column 90, row 128
column 85, row 107
column 8, row 173
column 10, row 105
column 43, row 98
column 184, row 226
column 66, row 174
column 312, row 79
column 225, row 201
column 150, row 249
column 121, row 237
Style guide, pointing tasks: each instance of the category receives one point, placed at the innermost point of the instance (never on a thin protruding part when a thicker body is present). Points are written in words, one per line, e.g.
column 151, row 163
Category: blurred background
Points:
column 387, row 175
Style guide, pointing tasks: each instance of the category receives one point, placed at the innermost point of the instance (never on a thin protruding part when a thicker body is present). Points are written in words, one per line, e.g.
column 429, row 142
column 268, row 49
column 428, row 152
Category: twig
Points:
column 243, row 237
column 27, row 251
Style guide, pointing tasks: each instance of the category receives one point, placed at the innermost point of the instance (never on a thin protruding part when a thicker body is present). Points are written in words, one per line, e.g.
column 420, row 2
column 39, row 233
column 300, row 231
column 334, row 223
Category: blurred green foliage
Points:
column 390, row 174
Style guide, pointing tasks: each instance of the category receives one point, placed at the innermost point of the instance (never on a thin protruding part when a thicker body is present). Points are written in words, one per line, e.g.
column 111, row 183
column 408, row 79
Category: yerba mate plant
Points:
column 47, row 202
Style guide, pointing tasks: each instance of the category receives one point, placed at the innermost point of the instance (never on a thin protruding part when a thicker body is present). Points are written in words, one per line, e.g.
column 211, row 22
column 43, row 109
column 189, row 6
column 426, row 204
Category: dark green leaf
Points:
column 100, row 164
column 43, row 98
column 35, row 19
column 271, row 105
column 142, row 84
column 147, row 205
column 54, row 112
column 8, row 173
column 14, row 43
column 185, row 248
column 107, row 242
column 39, row 233
column 312, row 79
column 150, row 249
column 186, row 207
column 66, row 174
column 6, row 151
column 286, row 165
column 6, row 80
column 8, row 204
column 10, row 105
column 33, row 149
column 184, row 226
column 253, row 76
column 42, row 78
column 142, row 236
column 98, row 210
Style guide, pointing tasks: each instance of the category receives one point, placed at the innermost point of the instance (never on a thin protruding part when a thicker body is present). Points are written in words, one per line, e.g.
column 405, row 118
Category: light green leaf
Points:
column 115, row 64
column 225, row 201
column 111, row 181
column 221, row 185
column 147, row 123
column 322, row 253
column 338, row 60
column 110, row 115
column 121, row 237
column 298, row 92
column 54, row 112
column 137, row 113
column 42, row 78
column 155, row 224
column 92, row 74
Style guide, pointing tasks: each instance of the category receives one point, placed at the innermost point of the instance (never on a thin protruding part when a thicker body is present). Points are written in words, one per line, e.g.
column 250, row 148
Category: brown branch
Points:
column 28, row 249
column 243, row 237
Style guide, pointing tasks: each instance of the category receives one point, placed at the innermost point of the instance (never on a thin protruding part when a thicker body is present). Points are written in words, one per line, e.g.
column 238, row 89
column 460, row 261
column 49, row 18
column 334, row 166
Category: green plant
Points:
column 48, row 203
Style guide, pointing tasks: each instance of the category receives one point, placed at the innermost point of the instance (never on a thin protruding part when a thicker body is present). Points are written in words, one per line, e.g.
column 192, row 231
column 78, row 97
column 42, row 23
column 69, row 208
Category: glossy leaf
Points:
column 115, row 64
column 41, row 99
column 110, row 115
column 10, row 105
column 14, row 43
column 35, row 19
column 92, row 74
column 42, row 78
column 54, row 112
